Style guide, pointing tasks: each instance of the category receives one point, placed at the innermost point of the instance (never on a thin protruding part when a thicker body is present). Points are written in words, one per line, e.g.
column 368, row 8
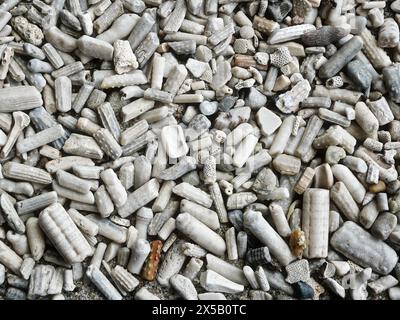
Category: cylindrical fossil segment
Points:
column 315, row 222
column 64, row 234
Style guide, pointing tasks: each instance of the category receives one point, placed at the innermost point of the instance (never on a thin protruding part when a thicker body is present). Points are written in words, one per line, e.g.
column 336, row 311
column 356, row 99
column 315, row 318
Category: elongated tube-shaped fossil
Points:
column 342, row 198
column 361, row 247
column 38, row 202
column 342, row 173
column 64, row 234
column 19, row 98
column 9, row 258
column 107, row 18
column 376, row 55
column 189, row 192
column 262, row 230
column 140, row 30
column 343, row 56
column 102, row 283
column 40, row 139
column 315, row 222
column 200, row 233
column 24, row 172
column 139, row 198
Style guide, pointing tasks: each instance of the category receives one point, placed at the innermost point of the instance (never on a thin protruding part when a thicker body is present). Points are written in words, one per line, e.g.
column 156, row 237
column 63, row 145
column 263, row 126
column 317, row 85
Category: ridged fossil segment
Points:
column 108, row 143
column 19, row 98
column 357, row 244
column 42, row 120
column 187, row 191
column 323, row 36
column 199, row 149
column 81, row 145
column 23, row 172
column 35, row 203
column 139, row 198
column 344, row 55
column 315, row 222
column 262, row 230
column 63, row 233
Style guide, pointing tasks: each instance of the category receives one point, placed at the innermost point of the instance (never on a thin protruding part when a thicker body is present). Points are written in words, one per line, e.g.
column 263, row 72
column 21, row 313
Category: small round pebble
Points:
column 208, row 108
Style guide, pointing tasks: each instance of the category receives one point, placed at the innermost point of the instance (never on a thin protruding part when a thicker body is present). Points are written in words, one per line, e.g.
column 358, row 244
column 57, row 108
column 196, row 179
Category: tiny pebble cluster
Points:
column 199, row 149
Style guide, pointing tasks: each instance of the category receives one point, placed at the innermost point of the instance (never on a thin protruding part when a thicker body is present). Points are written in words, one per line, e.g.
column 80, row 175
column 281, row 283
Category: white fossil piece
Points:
column 139, row 198
column 280, row 222
column 262, row 230
column 18, row 242
column 361, row 247
column 376, row 55
column 144, row 294
column 68, row 284
column 36, row 238
column 124, row 279
column 63, row 192
column 40, row 280
column 289, row 33
column 124, row 59
column 315, row 222
column 240, row 200
column 114, row 187
column 244, row 150
column 231, row 246
column 142, row 171
column 383, row 284
column 68, row 180
column 164, row 196
column 108, row 229
column 225, row 269
column 40, row 139
column 139, row 253
column 268, row 121
column 212, row 281
column 104, row 202
column 335, row 287
column 174, row 142
column 191, row 193
column 26, row 268
column 289, row 102
column 166, row 230
column 173, row 261
column 10, row 214
column 192, row 268
column 84, row 224
column 193, row 250
column 9, row 258
column 102, row 283
column 238, row 134
column 251, row 277
column 21, row 121
column 211, row 296
column 81, row 145
column 388, row 36
column 206, row 216
column 282, row 136
column 98, row 255
column 342, row 173
column 380, row 108
column 184, row 287
column 143, row 218
column 196, row 231
column 64, row 234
